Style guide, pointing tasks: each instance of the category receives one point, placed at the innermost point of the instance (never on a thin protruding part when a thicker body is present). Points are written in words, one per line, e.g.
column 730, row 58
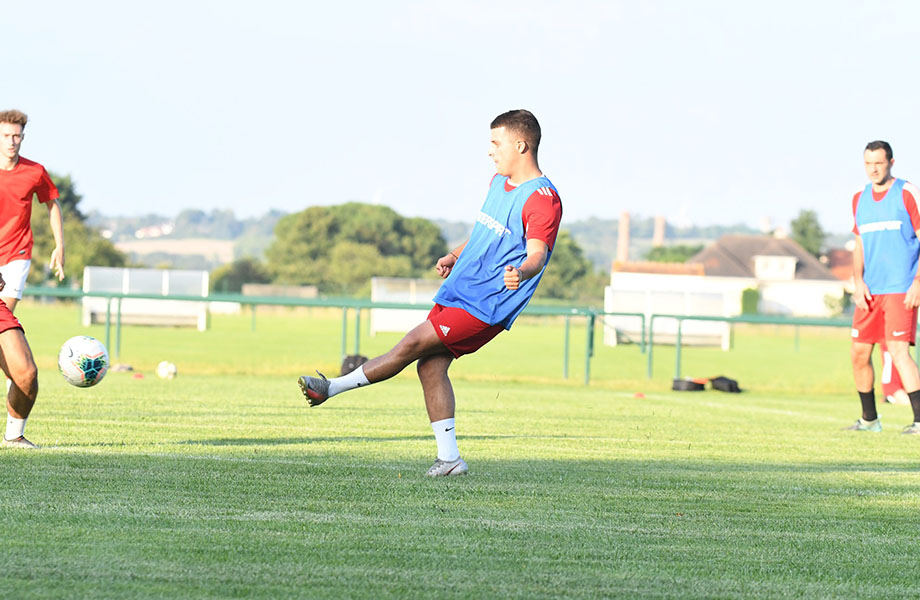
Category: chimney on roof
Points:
column 658, row 236
column 623, row 238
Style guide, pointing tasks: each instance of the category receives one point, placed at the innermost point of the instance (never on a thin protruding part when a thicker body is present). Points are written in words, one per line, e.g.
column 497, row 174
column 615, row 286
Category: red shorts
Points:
column 886, row 319
column 460, row 331
column 7, row 320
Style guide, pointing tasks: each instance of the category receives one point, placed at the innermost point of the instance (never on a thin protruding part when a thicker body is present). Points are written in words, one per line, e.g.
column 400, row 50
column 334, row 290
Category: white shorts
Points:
column 14, row 275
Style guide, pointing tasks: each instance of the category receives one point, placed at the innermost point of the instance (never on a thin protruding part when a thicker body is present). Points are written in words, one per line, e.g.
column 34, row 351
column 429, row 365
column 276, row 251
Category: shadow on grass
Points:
column 285, row 441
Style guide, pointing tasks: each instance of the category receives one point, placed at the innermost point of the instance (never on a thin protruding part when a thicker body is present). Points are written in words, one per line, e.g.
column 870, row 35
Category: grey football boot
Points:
column 443, row 468
column 21, row 442
column 315, row 389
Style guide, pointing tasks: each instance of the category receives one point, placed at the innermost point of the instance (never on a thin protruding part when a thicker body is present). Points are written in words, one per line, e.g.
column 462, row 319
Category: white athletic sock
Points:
column 355, row 379
column 14, row 427
column 446, row 437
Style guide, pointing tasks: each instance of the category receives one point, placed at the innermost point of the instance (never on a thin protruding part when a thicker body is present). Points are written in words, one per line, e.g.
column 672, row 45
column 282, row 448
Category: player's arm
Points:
column 540, row 217
column 447, row 262
column 56, row 216
column 861, row 295
column 909, row 195
column 536, row 258
column 912, row 297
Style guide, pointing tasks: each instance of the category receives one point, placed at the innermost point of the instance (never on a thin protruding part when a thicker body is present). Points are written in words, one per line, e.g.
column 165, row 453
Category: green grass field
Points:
column 222, row 483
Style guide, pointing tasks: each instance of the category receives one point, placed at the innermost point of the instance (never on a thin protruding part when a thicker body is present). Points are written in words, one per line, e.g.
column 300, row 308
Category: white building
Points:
column 789, row 281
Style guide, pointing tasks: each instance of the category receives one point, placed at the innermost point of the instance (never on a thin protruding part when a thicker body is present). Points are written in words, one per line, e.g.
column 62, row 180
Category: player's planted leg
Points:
column 19, row 366
column 864, row 378
column 440, row 403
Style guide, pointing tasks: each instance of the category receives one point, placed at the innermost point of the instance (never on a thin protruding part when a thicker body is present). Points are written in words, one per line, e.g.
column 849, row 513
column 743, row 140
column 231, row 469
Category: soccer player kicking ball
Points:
column 489, row 280
column 887, row 282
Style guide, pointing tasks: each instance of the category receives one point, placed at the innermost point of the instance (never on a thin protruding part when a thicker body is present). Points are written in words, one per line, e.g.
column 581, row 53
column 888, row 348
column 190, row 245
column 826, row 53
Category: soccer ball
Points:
column 83, row 361
column 166, row 370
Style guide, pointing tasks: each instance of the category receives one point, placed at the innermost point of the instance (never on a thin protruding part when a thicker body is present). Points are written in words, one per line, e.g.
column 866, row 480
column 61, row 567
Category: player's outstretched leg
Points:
column 419, row 342
column 19, row 366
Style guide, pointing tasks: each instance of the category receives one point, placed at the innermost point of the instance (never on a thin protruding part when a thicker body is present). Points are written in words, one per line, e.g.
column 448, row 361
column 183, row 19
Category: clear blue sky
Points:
column 705, row 112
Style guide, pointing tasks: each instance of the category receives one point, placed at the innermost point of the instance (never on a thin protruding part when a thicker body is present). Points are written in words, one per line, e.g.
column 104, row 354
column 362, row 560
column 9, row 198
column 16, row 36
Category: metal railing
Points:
column 753, row 319
column 346, row 304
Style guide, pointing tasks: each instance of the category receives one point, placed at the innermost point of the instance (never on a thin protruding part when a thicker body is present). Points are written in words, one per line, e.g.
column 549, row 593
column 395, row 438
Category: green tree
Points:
column 232, row 276
column 83, row 245
column 807, row 232
column 68, row 196
column 678, row 253
column 338, row 248
column 569, row 274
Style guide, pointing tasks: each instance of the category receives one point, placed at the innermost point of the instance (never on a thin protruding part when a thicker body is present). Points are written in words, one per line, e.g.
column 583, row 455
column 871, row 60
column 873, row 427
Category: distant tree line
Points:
column 337, row 248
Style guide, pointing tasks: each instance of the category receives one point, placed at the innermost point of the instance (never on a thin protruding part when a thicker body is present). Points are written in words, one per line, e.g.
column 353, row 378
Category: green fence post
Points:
column 589, row 348
column 344, row 330
column 651, row 345
column 565, row 351
column 252, row 310
column 642, row 339
column 108, row 323
column 680, row 323
column 358, row 330
column 118, row 330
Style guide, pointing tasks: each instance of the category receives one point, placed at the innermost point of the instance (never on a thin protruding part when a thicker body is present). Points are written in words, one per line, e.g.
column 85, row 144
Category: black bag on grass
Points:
column 352, row 362
column 687, row 385
column 724, row 384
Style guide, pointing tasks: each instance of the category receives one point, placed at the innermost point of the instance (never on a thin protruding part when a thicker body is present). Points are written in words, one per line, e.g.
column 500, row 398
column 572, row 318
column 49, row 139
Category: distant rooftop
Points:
column 659, row 268
column 733, row 256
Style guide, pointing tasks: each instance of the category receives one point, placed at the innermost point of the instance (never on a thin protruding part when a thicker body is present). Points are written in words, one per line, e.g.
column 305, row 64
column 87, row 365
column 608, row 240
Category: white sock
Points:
column 355, row 379
column 446, row 437
column 14, row 427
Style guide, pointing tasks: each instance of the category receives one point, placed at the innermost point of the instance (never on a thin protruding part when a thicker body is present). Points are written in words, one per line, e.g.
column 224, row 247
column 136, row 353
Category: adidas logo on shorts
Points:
column 445, row 330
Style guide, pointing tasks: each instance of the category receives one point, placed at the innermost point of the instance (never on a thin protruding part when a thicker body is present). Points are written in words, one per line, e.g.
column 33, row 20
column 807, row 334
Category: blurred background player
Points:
column 887, row 284
column 490, row 278
column 20, row 179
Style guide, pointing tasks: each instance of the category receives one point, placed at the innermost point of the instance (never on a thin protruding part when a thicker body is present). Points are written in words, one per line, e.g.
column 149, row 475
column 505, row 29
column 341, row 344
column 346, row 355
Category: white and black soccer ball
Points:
column 83, row 361
column 166, row 370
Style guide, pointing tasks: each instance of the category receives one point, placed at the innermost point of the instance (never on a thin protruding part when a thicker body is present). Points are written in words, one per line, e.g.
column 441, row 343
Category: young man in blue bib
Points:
column 886, row 282
column 489, row 280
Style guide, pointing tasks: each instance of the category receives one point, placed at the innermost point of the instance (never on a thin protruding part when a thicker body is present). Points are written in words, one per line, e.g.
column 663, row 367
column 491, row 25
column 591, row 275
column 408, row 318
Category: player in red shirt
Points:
column 20, row 179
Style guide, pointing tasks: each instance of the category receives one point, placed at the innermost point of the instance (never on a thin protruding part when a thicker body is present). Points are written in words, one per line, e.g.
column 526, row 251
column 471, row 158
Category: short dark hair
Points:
column 880, row 145
column 523, row 123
